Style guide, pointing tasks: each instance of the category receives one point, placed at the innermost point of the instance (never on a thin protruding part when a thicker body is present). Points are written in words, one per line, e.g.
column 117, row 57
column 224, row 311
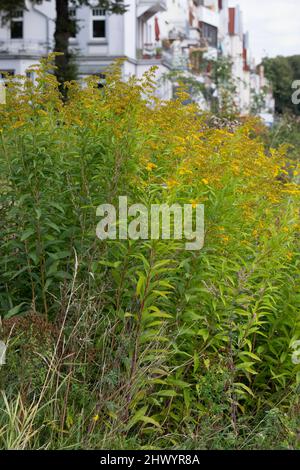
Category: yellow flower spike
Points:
column 194, row 203
column 150, row 166
column 184, row 171
column 96, row 418
column 179, row 150
column 41, row 112
column 225, row 239
column 205, row 181
column 18, row 124
column 171, row 183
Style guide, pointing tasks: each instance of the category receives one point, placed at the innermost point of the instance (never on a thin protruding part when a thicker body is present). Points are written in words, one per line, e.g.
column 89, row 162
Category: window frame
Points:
column 17, row 17
column 73, row 17
column 99, row 17
column 9, row 72
column 210, row 32
column 30, row 75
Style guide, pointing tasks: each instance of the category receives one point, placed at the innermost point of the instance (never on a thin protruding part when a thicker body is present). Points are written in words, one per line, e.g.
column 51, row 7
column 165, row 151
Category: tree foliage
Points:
column 282, row 72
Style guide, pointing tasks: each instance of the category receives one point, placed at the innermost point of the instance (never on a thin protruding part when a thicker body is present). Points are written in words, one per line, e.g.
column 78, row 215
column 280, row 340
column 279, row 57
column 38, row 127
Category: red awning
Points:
column 156, row 29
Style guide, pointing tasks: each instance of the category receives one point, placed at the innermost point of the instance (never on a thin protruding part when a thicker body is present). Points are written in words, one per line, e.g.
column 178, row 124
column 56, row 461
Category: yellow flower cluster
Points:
column 228, row 170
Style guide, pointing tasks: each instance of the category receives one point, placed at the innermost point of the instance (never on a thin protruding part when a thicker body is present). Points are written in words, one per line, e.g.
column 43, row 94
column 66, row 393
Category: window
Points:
column 210, row 33
column 99, row 23
column 16, row 25
column 72, row 16
column 102, row 79
column 5, row 73
column 30, row 75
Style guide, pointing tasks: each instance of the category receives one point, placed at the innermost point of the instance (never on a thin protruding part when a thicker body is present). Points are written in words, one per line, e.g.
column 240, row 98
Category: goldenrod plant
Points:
column 142, row 343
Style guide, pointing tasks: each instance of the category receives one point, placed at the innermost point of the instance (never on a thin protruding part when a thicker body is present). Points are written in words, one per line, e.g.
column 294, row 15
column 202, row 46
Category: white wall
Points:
column 176, row 16
column 130, row 30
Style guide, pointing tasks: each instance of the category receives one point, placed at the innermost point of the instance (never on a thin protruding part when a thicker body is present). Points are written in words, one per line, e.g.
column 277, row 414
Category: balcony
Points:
column 24, row 47
column 175, row 61
column 148, row 8
column 149, row 52
column 208, row 15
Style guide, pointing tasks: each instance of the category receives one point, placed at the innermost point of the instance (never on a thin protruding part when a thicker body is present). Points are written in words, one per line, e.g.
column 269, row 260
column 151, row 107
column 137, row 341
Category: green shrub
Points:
column 152, row 343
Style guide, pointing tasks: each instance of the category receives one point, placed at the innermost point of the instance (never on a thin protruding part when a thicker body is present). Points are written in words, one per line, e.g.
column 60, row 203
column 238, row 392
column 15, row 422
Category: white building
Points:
column 100, row 40
column 171, row 34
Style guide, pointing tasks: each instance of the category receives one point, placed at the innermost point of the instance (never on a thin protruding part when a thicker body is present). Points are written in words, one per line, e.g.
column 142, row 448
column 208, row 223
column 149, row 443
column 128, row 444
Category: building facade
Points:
column 170, row 34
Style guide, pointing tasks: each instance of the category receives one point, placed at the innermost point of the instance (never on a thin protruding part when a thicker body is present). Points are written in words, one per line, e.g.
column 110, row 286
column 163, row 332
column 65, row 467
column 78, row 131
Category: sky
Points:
column 274, row 26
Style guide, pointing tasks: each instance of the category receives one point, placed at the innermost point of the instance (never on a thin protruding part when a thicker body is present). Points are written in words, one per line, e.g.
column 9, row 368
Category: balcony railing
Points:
column 24, row 47
column 175, row 61
column 149, row 51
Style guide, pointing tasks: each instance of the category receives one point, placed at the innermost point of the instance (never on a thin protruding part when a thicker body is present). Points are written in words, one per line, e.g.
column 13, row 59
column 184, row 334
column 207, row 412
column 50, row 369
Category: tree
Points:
column 281, row 72
column 64, row 28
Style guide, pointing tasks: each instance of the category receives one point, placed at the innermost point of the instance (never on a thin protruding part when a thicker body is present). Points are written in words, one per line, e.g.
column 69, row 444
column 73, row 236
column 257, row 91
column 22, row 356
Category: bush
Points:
column 151, row 344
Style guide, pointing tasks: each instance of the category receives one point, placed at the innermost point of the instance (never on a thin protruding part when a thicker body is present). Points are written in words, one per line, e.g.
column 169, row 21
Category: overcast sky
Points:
column 274, row 26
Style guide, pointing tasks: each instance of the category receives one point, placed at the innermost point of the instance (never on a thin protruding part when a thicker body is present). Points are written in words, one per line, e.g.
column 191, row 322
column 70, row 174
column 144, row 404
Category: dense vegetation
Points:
column 129, row 344
column 286, row 131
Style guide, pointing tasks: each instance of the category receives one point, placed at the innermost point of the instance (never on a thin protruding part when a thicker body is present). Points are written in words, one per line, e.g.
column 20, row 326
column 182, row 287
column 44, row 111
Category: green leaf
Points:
column 204, row 333
column 196, row 361
column 109, row 264
column 14, row 311
column 166, row 393
column 27, row 233
column 244, row 387
column 140, row 285
column 138, row 416
column 149, row 420
column 55, row 227
column 60, row 255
